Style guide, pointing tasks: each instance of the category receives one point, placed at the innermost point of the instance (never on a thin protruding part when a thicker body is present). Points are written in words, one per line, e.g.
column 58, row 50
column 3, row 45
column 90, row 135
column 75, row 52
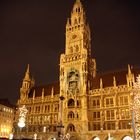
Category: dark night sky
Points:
column 33, row 31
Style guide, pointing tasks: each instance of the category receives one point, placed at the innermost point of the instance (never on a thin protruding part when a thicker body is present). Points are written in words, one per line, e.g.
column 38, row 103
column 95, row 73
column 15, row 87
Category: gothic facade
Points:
column 94, row 106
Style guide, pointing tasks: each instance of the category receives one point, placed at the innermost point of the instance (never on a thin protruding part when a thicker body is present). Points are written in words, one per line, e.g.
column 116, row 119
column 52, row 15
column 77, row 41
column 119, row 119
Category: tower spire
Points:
column 78, row 1
column 27, row 74
column 129, row 69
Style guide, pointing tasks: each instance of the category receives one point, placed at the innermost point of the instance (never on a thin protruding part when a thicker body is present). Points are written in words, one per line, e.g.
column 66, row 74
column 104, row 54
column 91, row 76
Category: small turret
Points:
column 77, row 1
column 27, row 84
column 26, row 80
column 68, row 22
column 101, row 83
column 52, row 92
column 33, row 95
column 114, row 81
column 129, row 70
column 27, row 74
column 130, row 77
column 42, row 94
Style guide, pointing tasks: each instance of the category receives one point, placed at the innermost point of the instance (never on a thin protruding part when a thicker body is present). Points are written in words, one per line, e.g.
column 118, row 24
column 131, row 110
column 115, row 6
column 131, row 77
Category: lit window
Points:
column 110, row 115
column 125, row 114
column 96, row 103
column 96, row 115
column 109, row 126
column 123, row 100
column 109, row 102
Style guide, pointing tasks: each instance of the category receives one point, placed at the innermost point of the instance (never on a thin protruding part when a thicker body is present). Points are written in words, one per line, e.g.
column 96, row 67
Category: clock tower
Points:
column 77, row 69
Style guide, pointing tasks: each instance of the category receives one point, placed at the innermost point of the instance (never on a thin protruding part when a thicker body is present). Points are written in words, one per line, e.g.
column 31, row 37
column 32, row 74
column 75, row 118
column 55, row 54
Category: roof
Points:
column 47, row 90
column 107, row 80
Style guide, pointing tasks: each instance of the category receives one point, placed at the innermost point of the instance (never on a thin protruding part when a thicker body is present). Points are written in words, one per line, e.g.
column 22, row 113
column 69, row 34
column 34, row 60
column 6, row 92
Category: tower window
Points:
column 75, row 21
column 70, row 103
column 79, row 19
column 78, row 9
column 71, row 128
column 71, row 115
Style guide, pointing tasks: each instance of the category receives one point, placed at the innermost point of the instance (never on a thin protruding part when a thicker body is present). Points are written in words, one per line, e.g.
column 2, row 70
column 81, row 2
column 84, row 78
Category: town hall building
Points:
column 84, row 104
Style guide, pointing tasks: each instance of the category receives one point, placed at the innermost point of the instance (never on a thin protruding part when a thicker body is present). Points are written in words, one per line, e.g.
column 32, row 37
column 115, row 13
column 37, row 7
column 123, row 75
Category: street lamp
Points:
column 11, row 136
column 35, row 136
column 60, row 125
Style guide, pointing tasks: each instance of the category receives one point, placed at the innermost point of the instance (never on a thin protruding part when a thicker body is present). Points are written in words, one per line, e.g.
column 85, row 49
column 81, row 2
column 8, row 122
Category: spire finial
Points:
column 52, row 92
column 101, row 83
column 129, row 69
column 28, row 69
column 34, row 94
column 42, row 93
column 77, row 0
column 114, row 81
column 27, row 74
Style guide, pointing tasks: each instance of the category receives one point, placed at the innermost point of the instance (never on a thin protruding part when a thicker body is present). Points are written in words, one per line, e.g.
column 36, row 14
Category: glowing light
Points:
column 96, row 138
column 11, row 136
column 44, row 129
column 127, row 138
column 21, row 124
column 35, row 136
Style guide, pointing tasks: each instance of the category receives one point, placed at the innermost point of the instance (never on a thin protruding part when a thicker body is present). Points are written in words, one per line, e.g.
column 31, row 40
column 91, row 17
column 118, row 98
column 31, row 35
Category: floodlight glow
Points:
column 96, row 138
column 21, row 124
column 11, row 136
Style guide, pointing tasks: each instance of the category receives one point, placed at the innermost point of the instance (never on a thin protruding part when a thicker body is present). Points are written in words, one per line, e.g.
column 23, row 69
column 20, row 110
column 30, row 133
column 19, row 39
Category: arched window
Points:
column 71, row 128
column 78, row 9
column 70, row 115
column 70, row 103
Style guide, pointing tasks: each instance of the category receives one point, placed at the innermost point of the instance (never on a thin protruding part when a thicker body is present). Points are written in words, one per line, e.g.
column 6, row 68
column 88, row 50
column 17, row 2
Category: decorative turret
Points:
column 130, row 77
column 27, row 74
column 33, row 96
column 52, row 92
column 114, row 81
column 42, row 94
column 101, row 83
column 27, row 84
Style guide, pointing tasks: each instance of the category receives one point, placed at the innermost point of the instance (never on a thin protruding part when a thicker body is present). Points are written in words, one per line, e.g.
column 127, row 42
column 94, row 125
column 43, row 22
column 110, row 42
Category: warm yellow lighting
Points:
column 11, row 136
column 21, row 124
column 96, row 138
column 35, row 136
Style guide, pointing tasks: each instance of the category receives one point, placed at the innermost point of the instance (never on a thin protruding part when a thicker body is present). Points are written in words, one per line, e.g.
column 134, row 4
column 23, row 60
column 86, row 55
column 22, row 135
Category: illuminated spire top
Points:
column 77, row 14
column 77, row 5
column 129, row 69
column 27, row 74
column 77, row 0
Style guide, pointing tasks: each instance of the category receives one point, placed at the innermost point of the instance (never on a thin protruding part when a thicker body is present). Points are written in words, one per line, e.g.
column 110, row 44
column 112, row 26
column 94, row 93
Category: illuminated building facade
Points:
column 6, row 118
column 95, row 106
